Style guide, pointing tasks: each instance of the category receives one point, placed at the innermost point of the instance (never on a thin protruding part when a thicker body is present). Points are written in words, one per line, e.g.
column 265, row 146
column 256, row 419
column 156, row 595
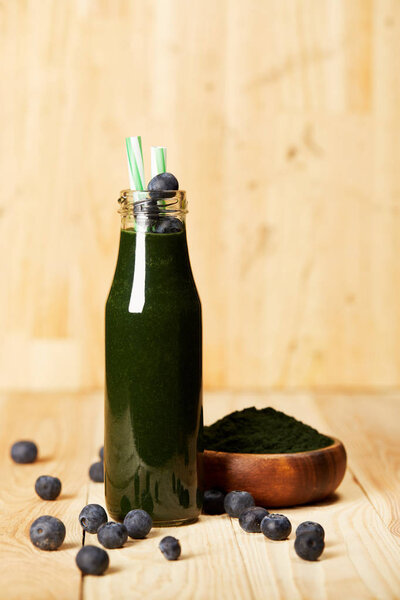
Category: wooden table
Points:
column 219, row 560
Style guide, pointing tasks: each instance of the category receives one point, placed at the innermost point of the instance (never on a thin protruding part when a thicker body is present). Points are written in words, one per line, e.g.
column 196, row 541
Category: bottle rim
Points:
column 151, row 202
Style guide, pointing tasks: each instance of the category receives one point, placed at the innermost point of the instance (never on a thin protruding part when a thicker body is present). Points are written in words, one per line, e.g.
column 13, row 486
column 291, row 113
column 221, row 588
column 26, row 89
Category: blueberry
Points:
column 162, row 182
column 309, row 545
column 92, row 560
column 24, row 452
column 112, row 535
column 168, row 225
column 311, row 527
column 170, row 547
column 236, row 502
column 138, row 523
column 250, row 519
column 213, row 502
column 92, row 516
column 101, row 453
column 276, row 527
column 96, row 472
column 47, row 533
column 47, row 487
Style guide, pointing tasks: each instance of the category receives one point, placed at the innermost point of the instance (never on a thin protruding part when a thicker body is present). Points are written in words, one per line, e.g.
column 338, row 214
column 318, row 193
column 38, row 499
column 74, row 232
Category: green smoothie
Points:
column 153, row 380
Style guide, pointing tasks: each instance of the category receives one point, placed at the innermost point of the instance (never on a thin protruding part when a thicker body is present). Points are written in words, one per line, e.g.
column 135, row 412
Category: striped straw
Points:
column 158, row 160
column 135, row 162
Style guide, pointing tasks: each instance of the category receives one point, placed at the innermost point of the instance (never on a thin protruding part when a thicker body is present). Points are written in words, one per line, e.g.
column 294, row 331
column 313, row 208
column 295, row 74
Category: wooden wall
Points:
column 281, row 119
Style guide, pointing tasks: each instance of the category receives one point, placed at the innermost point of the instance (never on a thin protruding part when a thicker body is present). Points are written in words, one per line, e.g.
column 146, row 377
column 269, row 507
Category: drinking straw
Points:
column 131, row 182
column 158, row 160
column 135, row 162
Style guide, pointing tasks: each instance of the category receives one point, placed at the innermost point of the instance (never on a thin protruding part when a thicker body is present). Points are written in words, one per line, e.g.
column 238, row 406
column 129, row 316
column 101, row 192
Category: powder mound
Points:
column 264, row 431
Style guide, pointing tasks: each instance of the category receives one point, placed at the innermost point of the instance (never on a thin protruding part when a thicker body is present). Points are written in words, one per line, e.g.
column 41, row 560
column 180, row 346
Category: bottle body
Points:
column 153, row 380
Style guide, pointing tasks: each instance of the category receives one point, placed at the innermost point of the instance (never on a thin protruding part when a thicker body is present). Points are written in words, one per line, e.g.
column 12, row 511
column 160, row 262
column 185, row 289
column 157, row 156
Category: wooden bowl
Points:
column 277, row 479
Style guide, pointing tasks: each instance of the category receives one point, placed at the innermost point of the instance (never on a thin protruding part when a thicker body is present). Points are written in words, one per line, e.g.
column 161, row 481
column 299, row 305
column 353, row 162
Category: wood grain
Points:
column 356, row 544
column 60, row 425
column 374, row 447
column 362, row 556
column 281, row 121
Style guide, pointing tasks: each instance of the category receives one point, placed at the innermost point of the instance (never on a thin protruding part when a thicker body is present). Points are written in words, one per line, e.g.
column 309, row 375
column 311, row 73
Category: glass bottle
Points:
column 153, row 391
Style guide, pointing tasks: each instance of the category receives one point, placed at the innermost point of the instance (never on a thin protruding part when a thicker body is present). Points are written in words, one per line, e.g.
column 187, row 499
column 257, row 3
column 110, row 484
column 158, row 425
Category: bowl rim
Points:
column 336, row 444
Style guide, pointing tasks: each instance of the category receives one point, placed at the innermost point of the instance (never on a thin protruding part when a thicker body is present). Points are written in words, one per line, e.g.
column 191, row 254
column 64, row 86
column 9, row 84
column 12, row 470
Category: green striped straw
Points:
column 158, row 160
column 135, row 162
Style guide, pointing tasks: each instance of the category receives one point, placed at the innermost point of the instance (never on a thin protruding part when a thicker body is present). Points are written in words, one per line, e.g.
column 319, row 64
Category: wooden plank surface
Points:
column 60, row 425
column 362, row 555
column 370, row 430
column 281, row 120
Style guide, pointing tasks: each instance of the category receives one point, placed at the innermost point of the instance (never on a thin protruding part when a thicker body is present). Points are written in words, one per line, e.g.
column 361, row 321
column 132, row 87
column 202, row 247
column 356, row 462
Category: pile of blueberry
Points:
column 161, row 187
column 309, row 543
column 48, row 533
column 93, row 560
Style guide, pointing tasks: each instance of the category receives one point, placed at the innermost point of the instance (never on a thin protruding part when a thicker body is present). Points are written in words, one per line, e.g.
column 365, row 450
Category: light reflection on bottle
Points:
column 137, row 299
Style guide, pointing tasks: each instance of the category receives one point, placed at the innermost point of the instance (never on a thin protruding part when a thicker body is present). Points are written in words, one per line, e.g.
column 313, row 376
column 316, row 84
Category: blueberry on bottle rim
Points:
column 160, row 185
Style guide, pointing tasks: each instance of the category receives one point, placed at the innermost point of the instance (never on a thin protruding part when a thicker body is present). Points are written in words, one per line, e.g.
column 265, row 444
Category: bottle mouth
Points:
column 160, row 202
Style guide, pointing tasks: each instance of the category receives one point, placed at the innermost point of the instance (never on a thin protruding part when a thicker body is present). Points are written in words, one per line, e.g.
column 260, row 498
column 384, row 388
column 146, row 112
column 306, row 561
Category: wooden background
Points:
column 281, row 120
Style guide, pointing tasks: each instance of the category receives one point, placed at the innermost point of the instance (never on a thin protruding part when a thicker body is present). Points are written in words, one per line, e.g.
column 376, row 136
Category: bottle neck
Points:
column 151, row 267
column 153, row 212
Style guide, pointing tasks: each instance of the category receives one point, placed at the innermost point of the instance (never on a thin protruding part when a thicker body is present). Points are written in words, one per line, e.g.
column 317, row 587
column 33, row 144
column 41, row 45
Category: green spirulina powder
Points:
column 265, row 431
